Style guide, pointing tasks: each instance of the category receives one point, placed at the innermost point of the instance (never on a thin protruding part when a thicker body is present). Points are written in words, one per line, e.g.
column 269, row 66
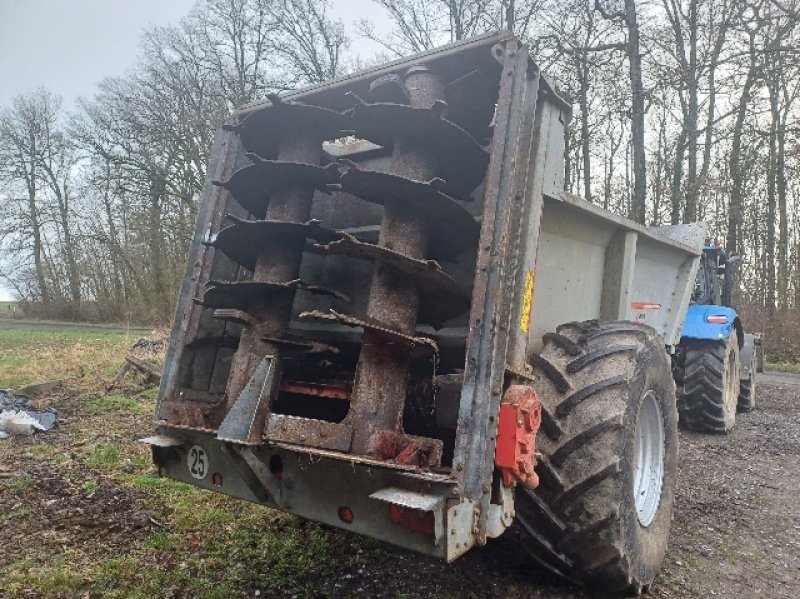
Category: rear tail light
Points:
column 346, row 514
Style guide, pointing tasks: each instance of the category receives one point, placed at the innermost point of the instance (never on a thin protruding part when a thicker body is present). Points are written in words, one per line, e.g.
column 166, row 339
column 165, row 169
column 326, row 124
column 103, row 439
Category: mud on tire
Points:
column 582, row 521
column 679, row 375
column 711, row 385
column 747, row 390
column 747, row 395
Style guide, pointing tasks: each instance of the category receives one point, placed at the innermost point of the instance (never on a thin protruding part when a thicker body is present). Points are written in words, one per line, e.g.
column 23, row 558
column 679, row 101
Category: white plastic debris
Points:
column 19, row 422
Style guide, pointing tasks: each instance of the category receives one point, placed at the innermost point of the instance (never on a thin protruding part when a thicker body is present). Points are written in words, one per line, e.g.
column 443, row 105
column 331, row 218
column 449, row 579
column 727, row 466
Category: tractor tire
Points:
column 609, row 443
column 679, row 376
column 711, row 385
column 747, row 391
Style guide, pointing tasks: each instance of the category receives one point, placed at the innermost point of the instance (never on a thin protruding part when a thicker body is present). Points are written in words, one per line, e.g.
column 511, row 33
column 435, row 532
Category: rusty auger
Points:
column 285, row 144
column 419, row 219
column 423, row 219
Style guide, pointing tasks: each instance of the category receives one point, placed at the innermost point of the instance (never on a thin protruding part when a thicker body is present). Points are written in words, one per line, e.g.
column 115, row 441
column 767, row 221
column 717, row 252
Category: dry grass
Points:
column 779, row 328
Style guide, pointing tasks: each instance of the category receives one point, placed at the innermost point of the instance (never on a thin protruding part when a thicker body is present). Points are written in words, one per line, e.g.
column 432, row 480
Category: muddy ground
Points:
column 736, row 530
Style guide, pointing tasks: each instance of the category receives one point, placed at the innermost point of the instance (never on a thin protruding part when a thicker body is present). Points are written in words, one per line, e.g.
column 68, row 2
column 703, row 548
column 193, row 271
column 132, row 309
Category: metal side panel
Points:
column 490, row 315
column 570, row 269
column 662, row 285
column 692, row 235
column 596, row 265
column 544, row 174
column 618, row 275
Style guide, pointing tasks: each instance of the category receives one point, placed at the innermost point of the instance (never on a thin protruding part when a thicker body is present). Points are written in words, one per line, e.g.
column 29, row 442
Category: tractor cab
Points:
column 714, row 277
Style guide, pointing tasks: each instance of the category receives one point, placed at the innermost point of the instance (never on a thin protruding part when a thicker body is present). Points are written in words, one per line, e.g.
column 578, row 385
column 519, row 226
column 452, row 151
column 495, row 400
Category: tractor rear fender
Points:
column 700, row 323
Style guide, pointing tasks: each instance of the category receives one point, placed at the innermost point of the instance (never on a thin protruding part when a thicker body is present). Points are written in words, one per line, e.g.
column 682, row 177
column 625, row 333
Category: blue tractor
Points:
column 716, row 362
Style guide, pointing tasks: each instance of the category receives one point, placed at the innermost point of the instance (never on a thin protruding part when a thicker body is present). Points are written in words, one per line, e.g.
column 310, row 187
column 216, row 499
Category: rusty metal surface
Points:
column 384, row 123
column 405, row 449
column 291, row 344
column 441, row 298
column 307, row 431
column 409, row 471
column 198, row 267
column 318, row 390
column 452, row 227
column 244, row 241
column 273, row 248
column 388, row 335
column 253, row 185
column 263, row 131
column 382, row 374
column 235, row 316
column 487, row 342
column 243, row 422
column 238, row 294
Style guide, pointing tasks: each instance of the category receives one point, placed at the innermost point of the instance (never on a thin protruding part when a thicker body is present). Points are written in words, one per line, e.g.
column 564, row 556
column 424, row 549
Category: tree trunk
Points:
column 30, row 174
column 677, row 177
column 638, row 207
column 690, row 126
column 771, row 183
column 712, row 95
column 583, row 74
column 36, row 234
column 73, row 276
column 736, row 210
column 510, row 16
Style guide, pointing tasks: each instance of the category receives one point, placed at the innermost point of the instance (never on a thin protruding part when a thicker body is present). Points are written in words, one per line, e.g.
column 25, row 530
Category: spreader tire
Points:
column 711, row 385
column 609, row 435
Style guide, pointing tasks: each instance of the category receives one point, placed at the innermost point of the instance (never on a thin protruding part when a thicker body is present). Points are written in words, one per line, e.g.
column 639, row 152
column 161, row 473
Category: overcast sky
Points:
column 70, row 45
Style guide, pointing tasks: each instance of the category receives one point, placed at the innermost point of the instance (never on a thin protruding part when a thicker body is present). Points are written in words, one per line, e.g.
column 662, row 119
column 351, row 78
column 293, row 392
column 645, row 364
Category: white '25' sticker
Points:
column 197, row 461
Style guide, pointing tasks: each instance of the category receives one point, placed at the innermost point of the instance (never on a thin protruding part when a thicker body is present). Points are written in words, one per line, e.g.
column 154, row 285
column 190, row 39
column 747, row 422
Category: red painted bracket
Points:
column 520, row 417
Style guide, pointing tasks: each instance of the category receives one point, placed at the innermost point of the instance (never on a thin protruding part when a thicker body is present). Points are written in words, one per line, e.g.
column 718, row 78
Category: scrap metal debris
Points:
column 17, row 417
column 153, row 371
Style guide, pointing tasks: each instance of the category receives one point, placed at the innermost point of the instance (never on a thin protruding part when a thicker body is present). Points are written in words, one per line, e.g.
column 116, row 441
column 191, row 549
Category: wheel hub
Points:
column 648, row 466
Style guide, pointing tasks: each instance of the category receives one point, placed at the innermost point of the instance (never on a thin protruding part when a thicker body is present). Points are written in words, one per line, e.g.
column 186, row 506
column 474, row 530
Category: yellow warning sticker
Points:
column 527, row 301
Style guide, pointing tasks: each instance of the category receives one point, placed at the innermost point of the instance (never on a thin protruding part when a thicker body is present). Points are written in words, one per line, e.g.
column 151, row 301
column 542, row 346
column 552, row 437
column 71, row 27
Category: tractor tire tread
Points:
column 574, row 511
column 704, row 408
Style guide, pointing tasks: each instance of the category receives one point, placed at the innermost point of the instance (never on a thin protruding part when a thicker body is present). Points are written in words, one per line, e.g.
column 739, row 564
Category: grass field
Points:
column 82, row 514
column 791, row 367
column 84, row 359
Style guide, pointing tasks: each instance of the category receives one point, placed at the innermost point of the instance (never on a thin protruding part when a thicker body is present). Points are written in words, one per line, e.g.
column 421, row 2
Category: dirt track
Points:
column 735, row 534
column 736, row 530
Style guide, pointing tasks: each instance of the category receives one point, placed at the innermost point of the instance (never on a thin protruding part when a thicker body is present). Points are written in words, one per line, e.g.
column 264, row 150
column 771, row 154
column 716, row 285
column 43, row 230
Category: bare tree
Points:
column 420, row 25
column 36, row 155
column 629, row 17
column 312, row 43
